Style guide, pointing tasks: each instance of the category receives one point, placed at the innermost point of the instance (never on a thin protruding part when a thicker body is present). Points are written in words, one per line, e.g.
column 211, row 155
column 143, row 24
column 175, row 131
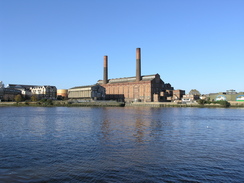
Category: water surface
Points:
column 60, row 144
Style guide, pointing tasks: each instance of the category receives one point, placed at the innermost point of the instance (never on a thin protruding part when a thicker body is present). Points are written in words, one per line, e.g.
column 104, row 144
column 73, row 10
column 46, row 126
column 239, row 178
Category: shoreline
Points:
column 118, row 104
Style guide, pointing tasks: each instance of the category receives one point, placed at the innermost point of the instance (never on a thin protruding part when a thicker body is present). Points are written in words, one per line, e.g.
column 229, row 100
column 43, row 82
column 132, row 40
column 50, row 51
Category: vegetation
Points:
column 18, row 98
column 222, row 103
column 34, row 98
column 194, row 92
column 46, row 102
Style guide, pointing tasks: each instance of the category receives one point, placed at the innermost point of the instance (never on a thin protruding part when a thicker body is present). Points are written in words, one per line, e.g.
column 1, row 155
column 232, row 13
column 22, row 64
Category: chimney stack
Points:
column 105, row 69
column 138, row 64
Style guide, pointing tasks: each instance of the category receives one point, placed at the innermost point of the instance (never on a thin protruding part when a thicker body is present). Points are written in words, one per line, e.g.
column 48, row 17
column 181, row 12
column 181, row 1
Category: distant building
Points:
column 188, row 98
column 62, row 94
column 1, row 84
column 147, row 88
column 178, row 94
column 91, row 92
column 229, row 95
column 7, row 94
column 1, row 90
column 42, row 92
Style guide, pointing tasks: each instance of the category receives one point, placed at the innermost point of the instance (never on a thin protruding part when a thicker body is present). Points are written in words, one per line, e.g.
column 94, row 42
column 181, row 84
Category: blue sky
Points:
column 192, row 44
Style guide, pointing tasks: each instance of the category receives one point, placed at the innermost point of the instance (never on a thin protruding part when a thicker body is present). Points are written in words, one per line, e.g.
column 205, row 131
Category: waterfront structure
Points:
column 91, row 92
column 229, row 95
column 193, row 96
column 62, row 94
column 1, row 90
column 42, row 92
column 190, row 98
column 176, row 95
column 7, row 94
column 145, row 88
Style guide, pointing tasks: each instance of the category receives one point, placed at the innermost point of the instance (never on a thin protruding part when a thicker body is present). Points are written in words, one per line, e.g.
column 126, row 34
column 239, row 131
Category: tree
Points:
column 18, row 98
column 194, row 92
column 201, row 101
column 33, row 98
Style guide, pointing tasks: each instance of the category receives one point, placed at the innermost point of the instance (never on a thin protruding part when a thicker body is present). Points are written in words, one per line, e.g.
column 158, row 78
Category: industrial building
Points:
column 140, row 88
column 145, row 88
column 62, row 94
column 91, row 92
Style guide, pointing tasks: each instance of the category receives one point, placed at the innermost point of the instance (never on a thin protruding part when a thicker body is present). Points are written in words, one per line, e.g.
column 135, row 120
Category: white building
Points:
column 44, row 92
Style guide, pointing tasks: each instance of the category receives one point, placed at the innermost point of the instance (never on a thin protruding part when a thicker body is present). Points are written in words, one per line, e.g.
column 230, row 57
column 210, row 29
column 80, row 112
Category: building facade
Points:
column 91, row 92
column 41, row 92
column 7, row 94
column 44, row 92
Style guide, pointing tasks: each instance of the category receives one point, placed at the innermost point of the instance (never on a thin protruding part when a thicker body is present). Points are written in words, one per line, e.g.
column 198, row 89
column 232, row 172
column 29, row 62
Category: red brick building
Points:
column 148, row 88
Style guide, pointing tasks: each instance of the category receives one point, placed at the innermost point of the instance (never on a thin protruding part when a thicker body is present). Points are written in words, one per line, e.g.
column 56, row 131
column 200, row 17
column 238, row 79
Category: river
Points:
column 121, row 144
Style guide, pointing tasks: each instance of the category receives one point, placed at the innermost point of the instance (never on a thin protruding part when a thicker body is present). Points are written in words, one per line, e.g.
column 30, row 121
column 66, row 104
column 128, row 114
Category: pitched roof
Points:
column 87, row 86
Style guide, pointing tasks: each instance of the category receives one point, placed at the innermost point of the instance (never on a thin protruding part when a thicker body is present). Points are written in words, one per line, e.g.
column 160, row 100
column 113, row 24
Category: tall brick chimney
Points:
column 105, row 69
column 138, row 64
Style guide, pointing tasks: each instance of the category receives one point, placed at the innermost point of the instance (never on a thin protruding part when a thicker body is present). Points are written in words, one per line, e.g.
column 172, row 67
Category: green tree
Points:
column 194, row 92
column 223, row 103
column 33, row 98
column 49, row 102
column 18, row 98
column 201, row 101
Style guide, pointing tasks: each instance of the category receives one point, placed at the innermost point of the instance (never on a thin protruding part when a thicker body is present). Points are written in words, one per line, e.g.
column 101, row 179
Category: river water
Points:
column 127, row 144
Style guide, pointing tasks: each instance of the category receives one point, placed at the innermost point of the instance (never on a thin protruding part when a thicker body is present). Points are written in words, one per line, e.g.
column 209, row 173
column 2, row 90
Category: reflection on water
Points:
column 60, row 144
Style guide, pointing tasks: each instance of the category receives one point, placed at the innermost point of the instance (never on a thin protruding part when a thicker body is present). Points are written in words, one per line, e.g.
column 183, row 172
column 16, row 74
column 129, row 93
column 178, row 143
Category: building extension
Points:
column 91, row 92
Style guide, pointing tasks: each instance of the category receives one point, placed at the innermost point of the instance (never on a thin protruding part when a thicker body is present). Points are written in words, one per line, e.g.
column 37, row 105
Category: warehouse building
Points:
column 91, row 92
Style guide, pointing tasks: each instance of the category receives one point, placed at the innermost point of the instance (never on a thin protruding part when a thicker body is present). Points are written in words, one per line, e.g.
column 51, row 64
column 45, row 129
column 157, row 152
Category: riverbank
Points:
column 67, row 103
column 173, row 104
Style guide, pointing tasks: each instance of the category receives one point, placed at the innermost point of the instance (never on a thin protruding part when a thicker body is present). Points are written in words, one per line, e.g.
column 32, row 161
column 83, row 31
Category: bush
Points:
column 43, row 100
column 33, row 98
column 223, row 103
column 18, row 98
column 201, row 101
column 49, row 102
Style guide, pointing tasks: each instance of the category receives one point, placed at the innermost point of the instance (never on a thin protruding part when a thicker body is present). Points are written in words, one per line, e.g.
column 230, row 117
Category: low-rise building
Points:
column 188, row 98
column 91, row 92
column 44, row 92
column 7, row 94
column 41, row 92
